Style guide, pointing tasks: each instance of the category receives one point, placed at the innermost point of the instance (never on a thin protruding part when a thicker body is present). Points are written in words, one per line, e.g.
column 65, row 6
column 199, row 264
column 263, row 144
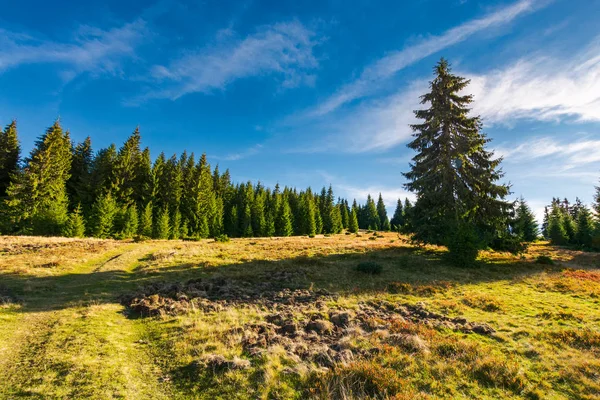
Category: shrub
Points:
column 311, row 236
column 546, row 260
column 222, row 238
column 511, row 244
column 369, row 267
column 372, row 238
column 464, row 246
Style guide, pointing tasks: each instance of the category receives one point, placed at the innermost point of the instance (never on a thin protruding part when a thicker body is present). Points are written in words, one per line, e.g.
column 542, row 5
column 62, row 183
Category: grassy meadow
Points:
column 292, row 318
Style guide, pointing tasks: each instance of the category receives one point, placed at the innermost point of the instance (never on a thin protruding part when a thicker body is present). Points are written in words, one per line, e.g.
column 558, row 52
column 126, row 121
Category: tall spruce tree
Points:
column 382, row 213
column 353, row 219
column 104, row 211
column 75, row 226
column 162, row 228
column 524, row 224
column 10, row 152
column 283, row 222
column 452, row 174
column 145, row 225
column 37, row 198
column 371, row 218
column 545, row 223
column 125, row 182
column 78, row 185
column 101, row 174
column 556, row 229
column 397, row 221
column 585, row 228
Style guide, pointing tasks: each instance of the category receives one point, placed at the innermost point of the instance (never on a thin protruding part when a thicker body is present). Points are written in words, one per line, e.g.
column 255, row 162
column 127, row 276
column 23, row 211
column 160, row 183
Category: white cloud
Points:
column 371, row 126
column 92, row 49
column 541, row 88
column 374, row 74
column 564, row 155
column 284, row 49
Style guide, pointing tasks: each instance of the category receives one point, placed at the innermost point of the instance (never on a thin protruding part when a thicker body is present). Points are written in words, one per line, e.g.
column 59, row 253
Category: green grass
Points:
column 65, row 335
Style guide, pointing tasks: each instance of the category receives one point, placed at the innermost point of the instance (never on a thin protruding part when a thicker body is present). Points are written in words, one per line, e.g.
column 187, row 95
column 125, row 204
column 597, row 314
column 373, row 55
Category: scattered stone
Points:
column 218, row 363
column 340, row 319
column 412, row 343
column 320, row 326
column 482, row 329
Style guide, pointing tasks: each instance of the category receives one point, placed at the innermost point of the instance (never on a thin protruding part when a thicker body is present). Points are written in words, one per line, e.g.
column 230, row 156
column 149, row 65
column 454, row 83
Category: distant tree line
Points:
column 572, row 224
column 64, row 188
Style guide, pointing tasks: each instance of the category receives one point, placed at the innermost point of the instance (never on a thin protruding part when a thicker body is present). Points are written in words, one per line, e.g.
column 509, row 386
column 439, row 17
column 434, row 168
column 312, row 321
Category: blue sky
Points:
column 312, row 92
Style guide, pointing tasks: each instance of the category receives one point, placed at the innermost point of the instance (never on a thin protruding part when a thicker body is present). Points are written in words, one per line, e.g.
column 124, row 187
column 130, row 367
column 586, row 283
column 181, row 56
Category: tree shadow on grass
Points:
column 334, row 273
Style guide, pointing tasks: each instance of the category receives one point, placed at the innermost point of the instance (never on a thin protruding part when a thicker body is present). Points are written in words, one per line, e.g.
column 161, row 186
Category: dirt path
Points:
column 74, row 341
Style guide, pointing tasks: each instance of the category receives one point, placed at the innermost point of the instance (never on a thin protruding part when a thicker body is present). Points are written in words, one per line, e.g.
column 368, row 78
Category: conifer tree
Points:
column 545, row 223
column 75, row 226
column 596, row 206
column 453, row 175
column 353, row 219
column 318, row 221
column 175, row 232
column 343, row 205
column 569, row 226
column 217, row 222
column 101, row 175
column 397, row 221
column 145, row 225
column 126, row 222
column 336, row 219
column 258, row 214
column 524, row 224
column 125, row 182
column 283, row 222
column 382, row 213
column 556, row 230
column 162, row 230
column 371, row 215
column 9, row 156
column 308, row 225
column 78, row 184
column 246, row 221
column 104, row 212
column 386, row 225
column 143, row 189
column 231, row 225
column 585, row 227
column 37, row 198
column 203, row 229
column 408, row 216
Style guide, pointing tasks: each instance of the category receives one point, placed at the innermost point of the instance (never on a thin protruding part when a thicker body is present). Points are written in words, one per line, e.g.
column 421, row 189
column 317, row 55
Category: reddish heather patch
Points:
column 583, row 274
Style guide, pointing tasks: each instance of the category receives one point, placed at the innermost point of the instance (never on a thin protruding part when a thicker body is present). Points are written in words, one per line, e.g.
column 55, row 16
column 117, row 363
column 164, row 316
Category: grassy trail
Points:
column 72, row 342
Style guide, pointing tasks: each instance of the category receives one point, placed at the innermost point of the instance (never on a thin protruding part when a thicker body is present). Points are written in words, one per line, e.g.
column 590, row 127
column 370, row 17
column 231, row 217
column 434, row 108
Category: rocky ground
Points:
column 307, row 323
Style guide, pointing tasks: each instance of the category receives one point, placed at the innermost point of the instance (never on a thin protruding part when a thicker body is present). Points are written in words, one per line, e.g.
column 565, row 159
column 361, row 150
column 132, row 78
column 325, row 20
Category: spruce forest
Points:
column 65, row 189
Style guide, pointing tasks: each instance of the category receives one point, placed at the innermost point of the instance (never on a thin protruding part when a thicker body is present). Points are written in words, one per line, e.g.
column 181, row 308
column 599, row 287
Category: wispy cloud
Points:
column 374, row 74
column 283, row 49
column 542, row 88
column 242, row 154
column 91, row 50
column 565, row 154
